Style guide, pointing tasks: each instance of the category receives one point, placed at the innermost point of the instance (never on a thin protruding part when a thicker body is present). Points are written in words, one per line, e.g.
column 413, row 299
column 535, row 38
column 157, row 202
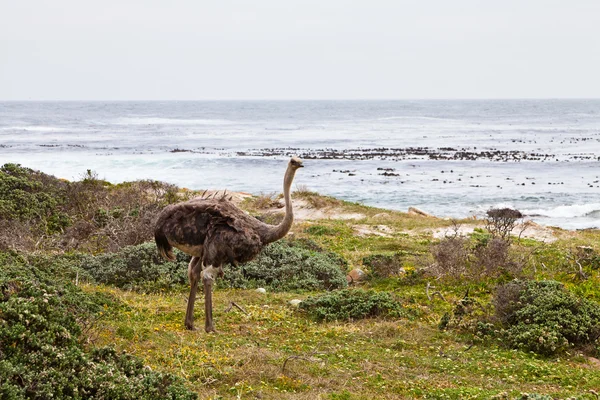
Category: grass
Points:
column 381, row 358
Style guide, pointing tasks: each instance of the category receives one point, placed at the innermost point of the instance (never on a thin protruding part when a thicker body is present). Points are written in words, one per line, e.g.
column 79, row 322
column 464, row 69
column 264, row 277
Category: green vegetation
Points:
column 384, row 265
column 42, row 324
column 137, row 268
column 546, row 318
column 348, row 305
column 484, row 316
column 290, row 266
column 41, row 212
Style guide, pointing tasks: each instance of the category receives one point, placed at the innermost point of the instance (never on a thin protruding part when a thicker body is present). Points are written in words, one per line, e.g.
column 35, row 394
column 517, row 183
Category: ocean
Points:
column 450, row 158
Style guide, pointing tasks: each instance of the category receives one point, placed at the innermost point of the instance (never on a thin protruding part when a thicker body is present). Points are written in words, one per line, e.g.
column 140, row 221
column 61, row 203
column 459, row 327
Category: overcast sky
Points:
column 306, row 49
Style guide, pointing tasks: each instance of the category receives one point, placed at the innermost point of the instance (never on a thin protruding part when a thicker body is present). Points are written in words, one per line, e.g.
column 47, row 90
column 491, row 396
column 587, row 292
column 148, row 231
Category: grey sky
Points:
column 307, row 49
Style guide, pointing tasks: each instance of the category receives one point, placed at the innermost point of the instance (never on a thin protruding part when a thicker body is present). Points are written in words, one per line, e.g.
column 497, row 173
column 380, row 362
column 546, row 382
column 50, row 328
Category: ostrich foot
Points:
column 190, row 327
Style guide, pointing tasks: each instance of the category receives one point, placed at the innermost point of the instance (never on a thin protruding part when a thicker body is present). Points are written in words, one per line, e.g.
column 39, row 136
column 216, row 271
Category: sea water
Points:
column 450, row 158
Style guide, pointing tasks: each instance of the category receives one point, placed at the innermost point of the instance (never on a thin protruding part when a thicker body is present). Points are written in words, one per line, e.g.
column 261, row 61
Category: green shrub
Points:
column 42, row 318
column 137, row 268
column 288, row 266
column 30, row 195
column 89, row 215
column 546, row 318
column 352, row 304
column 282, row 266
column 384, row 265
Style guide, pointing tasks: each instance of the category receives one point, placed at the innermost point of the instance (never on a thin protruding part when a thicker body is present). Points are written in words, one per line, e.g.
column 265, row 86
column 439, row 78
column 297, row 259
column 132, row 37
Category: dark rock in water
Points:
column 399, row 154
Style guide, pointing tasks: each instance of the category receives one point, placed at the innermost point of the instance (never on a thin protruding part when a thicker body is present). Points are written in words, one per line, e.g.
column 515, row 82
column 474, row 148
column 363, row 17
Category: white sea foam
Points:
column 419, row 117
column 566, row 211
column 32, row 128
column 169, row 121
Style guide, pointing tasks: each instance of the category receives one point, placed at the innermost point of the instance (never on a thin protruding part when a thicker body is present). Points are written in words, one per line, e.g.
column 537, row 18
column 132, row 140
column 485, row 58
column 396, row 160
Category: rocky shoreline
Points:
column 415, row 153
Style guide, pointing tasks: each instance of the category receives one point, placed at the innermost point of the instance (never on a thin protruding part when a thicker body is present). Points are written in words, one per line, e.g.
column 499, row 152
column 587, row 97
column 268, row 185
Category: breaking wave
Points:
column 170, row 121
column 32, row 128
column 591, row 210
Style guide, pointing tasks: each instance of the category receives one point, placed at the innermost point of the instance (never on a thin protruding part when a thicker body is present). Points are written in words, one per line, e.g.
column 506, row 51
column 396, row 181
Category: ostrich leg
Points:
column 208, row 278
column 194, row 269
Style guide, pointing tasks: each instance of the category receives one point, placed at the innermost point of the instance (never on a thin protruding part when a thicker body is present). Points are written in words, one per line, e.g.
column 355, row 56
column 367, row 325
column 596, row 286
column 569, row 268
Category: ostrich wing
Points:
column 217, row 224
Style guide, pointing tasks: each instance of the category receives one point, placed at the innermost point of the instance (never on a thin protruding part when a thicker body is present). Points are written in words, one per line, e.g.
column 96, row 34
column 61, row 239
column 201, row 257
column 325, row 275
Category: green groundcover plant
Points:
column 544, row 317
column 352, row 304
column 290, row 265
column 137, row 268
column 43, row 321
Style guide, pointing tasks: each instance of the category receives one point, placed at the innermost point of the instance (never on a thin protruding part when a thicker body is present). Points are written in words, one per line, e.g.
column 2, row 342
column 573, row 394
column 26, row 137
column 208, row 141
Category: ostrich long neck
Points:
column 278, row 231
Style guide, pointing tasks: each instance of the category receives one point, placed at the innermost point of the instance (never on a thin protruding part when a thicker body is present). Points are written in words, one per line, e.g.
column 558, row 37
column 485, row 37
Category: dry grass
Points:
column 316, row 200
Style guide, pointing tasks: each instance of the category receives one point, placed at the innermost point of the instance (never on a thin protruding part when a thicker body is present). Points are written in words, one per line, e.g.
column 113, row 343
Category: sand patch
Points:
column 527, row 229
column 304, row 211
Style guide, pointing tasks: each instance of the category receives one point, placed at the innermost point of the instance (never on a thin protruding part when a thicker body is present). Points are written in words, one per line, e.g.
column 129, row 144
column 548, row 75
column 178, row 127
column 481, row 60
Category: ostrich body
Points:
column 214, row 232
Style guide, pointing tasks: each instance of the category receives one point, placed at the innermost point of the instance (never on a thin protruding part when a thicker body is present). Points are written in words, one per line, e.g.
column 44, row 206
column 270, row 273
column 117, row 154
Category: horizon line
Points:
column 302, row 99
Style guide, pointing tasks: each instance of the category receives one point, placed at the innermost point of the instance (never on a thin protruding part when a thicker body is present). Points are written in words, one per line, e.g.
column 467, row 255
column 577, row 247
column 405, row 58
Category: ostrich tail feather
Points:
column 164, row 247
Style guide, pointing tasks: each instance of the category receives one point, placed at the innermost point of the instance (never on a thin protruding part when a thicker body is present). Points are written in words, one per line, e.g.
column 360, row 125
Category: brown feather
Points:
column 225, row 233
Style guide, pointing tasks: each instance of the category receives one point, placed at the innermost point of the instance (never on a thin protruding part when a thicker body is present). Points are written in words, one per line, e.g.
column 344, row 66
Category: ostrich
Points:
column 214, row 231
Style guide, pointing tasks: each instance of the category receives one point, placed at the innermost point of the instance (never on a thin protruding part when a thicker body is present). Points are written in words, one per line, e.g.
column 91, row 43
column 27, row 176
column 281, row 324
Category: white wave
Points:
column 572, row 211
column 417, row 117
column 170, row 121
column 32, row 128
column 481, row 209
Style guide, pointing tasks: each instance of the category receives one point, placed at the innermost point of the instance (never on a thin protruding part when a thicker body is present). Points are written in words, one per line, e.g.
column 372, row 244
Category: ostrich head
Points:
column 296, row 162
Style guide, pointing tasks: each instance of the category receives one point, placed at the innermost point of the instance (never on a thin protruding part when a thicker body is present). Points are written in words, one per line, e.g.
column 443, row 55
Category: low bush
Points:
column 494, row 260
column 289, row 265
column 285, row 265
column 42, row 322
column 500, row 222
column 384, row 265
column 352, row 304
column 477, row 258
column 451, row 256
column 39, row 211
column 544, row 317
column 137, row 268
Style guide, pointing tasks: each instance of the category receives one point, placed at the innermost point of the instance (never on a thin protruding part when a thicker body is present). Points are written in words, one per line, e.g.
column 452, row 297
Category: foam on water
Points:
column 31, row 128
column 566, row 211
column 169, row 121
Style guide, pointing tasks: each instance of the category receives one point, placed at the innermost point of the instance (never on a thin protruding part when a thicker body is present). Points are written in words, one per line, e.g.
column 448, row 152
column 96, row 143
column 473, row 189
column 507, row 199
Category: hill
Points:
column 445, row 309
